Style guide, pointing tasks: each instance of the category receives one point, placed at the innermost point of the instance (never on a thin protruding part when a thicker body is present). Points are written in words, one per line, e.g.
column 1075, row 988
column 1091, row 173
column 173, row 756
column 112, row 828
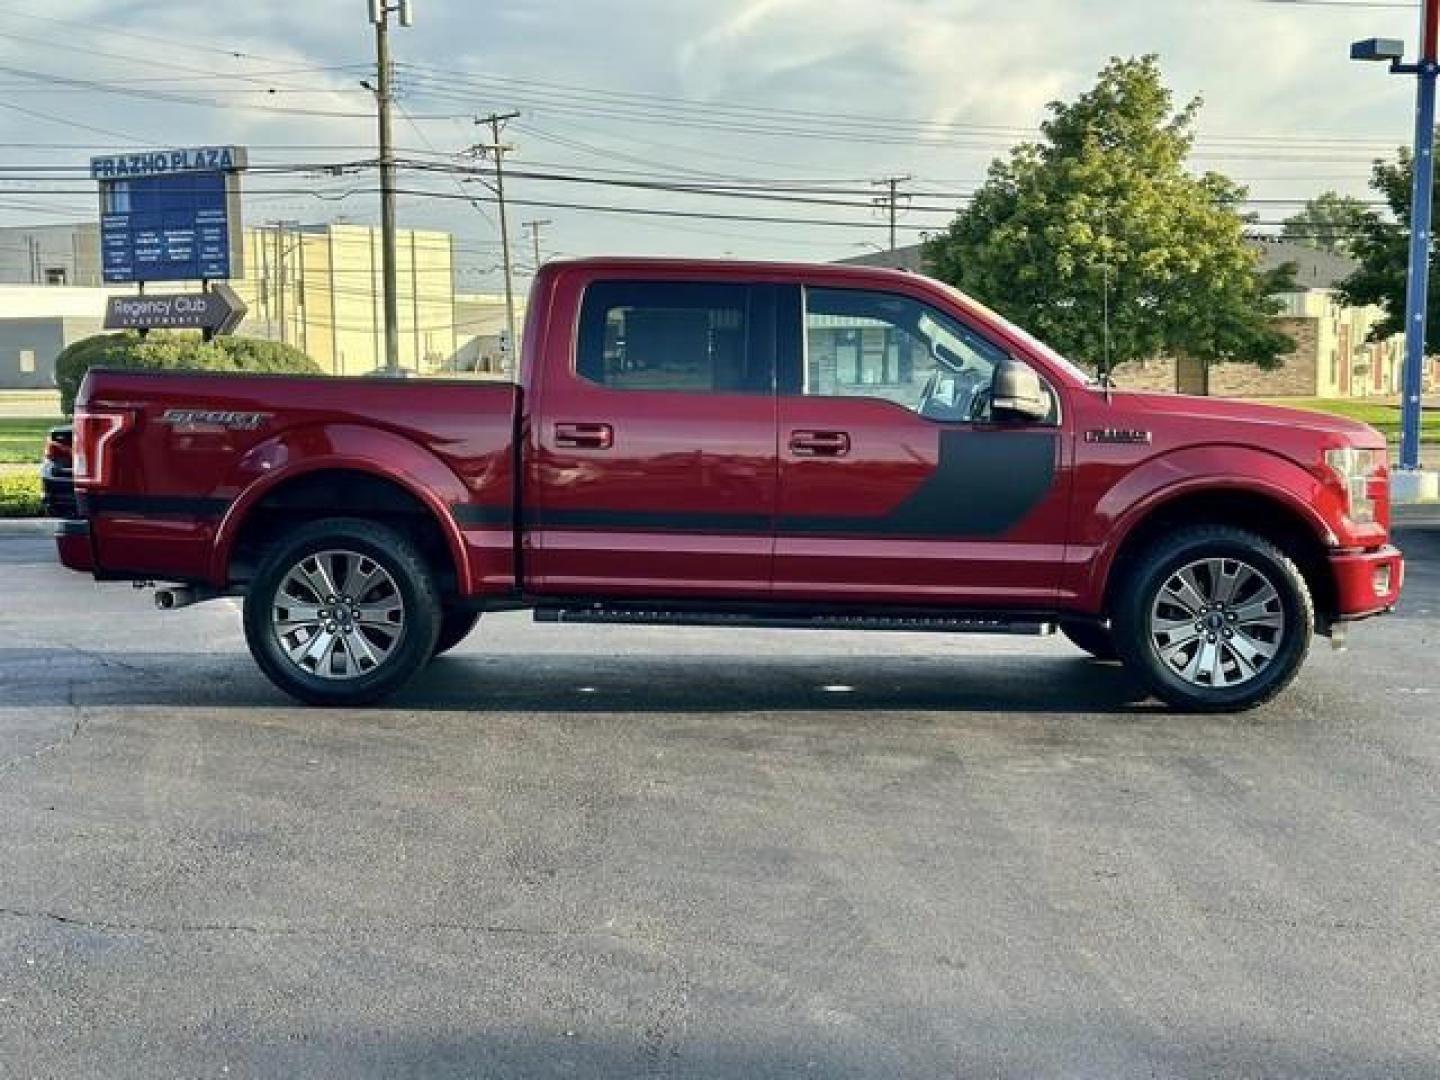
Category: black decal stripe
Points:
column 984, row 485
column 152, row 505
column 475, row 514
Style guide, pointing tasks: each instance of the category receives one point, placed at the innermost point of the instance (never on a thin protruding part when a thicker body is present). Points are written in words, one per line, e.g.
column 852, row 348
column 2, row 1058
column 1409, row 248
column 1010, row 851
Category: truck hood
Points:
column 1253, row 416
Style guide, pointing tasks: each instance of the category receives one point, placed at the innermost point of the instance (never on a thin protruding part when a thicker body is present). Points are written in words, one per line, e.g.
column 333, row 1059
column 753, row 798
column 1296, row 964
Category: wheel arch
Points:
column 1268, row 512
column 410, row 486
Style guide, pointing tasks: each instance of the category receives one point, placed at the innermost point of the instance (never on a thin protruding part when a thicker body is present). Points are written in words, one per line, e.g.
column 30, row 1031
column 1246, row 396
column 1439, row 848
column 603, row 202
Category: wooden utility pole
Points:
column 496, row 149
column 380, row 12
column 535, row 227
column 891, row 199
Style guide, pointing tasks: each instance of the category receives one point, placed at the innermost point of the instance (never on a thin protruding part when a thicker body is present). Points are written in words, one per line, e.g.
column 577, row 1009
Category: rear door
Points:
column 653, row 469
column 896, row 485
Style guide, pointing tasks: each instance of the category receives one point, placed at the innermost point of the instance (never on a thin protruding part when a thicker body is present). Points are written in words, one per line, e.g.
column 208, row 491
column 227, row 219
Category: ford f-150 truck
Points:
column 739, row 444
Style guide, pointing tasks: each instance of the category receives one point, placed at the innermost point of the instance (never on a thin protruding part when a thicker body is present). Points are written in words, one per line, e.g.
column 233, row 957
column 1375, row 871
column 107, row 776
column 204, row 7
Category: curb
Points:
column 26, row 526
column 1402, row 514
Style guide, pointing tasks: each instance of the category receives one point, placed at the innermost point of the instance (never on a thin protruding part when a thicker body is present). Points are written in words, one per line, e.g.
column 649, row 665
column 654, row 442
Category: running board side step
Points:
column 910, row 621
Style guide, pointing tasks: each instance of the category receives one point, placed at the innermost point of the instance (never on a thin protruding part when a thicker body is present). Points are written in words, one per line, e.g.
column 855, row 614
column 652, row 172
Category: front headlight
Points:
column 1362, row 476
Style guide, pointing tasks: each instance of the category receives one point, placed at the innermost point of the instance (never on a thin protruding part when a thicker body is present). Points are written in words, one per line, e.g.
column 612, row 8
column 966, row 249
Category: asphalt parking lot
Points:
column 632, row 852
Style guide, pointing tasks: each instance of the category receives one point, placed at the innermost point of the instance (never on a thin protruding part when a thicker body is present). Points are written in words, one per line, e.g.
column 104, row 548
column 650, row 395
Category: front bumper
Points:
column 72, row 543
column 1366, row 582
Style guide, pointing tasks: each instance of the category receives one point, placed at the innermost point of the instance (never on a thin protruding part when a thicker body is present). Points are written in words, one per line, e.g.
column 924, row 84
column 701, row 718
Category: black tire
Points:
column 1159, row 565
column 455, row 627
column 1092, row 638
column 412, row 581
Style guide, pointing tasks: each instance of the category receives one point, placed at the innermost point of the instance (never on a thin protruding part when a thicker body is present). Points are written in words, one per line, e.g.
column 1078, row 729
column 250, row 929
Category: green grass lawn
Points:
column 19, row 495
column 1380, row 415
column 22, row 439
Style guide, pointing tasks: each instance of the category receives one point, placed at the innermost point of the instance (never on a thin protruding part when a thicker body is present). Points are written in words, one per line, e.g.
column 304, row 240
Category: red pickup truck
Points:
column 740, row 444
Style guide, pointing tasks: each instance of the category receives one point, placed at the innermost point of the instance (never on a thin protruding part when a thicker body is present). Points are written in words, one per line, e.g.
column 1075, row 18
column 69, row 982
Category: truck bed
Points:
column 202, row 449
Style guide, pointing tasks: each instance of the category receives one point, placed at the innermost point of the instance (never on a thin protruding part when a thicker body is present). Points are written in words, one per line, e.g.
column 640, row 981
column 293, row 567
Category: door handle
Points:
column 819, row 443
column 585, row 436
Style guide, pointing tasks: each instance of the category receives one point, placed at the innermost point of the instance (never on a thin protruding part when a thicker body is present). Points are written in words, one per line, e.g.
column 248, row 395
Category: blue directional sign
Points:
column 170, row 215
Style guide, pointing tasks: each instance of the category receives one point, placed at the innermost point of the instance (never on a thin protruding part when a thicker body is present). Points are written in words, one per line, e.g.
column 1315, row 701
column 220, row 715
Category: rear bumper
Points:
column 57, row 486
column 72, row 544
column 1367, row 583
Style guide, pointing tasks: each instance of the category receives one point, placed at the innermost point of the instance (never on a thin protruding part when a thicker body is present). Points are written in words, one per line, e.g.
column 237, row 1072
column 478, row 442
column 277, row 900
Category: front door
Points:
column 896, row 483
column 652, row 469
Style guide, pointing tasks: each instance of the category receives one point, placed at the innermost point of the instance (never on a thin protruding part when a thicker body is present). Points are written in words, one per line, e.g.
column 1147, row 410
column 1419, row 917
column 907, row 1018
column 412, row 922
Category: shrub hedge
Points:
column 172, row 351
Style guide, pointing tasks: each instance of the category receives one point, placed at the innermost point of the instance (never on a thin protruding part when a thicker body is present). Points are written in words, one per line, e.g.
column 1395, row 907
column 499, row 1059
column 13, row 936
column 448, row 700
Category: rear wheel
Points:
column 455, row 627
column 1092, row 637
column 342, row 612
column 1214, row 619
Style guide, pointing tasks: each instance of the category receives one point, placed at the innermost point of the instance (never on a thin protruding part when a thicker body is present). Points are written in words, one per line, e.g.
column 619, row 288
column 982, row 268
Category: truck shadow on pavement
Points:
column 587, row 683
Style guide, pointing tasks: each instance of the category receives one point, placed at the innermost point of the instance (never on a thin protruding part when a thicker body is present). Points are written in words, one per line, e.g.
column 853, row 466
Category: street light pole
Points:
column 1418, row 285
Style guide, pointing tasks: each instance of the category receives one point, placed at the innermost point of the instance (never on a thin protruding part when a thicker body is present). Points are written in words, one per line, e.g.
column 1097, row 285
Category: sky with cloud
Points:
column 769, row 96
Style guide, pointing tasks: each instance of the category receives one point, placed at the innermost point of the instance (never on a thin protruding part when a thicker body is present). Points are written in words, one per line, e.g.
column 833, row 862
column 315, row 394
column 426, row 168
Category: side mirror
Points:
column 1017, row 394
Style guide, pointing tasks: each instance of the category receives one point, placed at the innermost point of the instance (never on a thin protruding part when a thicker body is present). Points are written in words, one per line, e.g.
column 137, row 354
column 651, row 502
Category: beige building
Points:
column 37, row 322
column 1333, row 355
column 481, row 338
column 50, row 255
column 317, row 287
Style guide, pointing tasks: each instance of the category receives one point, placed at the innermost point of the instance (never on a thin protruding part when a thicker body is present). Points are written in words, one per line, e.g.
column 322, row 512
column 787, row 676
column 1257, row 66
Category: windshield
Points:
column 1034, row 343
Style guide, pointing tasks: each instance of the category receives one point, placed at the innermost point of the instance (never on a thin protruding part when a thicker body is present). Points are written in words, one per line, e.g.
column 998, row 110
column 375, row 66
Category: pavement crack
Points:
column 107, row 661
column 113, row 926
column 76, row 727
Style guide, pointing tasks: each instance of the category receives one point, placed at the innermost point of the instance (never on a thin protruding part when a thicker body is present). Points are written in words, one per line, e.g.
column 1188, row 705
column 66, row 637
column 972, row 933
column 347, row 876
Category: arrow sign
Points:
column 218, row 311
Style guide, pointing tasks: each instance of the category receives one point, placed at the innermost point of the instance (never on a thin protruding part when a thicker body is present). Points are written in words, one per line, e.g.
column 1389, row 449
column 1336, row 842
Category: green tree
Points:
column 1382, row 248
column 1328, row 222
column 170, row 351
column 1102, row 214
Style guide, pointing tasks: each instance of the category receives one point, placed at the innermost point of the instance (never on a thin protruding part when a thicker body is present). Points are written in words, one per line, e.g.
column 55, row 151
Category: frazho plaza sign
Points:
column 159, row 162
column 170, row 215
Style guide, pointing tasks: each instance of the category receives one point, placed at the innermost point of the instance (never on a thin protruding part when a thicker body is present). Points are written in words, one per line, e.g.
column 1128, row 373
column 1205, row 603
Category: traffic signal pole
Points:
column 1418, row 284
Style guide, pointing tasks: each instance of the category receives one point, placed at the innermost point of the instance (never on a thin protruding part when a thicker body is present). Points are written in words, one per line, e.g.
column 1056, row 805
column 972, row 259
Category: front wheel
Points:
column 1214, row 619
column 342, row 612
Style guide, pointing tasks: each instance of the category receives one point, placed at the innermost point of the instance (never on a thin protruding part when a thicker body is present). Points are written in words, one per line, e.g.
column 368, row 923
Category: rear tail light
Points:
column 57, row 449
column 1363, row 477
column 95, row 435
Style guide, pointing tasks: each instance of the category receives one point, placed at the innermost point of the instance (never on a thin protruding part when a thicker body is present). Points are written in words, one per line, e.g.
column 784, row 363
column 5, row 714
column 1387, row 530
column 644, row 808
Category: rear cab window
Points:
column 676, row 336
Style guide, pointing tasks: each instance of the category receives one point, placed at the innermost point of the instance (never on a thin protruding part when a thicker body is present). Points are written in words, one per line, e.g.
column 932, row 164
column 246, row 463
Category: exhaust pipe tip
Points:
column 170, row 599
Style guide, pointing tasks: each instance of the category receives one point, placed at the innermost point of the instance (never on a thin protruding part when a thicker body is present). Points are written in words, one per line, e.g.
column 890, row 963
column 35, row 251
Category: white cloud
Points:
column 1262, row 69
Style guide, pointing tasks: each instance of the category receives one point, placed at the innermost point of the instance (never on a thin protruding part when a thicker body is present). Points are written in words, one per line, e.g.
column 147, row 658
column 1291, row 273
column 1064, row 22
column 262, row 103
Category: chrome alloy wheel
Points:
column 338, row 614
column 1217, row 622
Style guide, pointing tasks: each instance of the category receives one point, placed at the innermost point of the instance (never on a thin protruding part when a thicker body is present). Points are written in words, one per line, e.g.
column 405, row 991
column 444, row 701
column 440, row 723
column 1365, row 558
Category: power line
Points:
column 259, row 77
column 633, row 105
column 1361, row 4
column 187, row 43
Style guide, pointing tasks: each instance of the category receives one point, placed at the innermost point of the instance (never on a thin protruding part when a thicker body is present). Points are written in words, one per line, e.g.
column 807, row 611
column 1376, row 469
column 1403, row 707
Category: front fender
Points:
column 312, row 448
column 1149, row 487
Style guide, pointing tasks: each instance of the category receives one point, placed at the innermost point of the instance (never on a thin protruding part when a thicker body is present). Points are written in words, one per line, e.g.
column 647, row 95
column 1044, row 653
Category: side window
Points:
column 860, row 343
column 665, row 335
